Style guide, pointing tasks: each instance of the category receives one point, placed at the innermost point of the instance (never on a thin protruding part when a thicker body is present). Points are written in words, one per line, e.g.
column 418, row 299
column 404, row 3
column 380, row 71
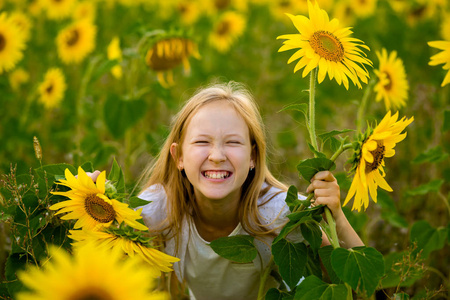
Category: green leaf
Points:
column 136, row 202
column 433, row 155
column 312, row 233
column 334, row 144
column 54, row 170
column 309, row 167
column 325, row 256
column 327, row 135
column 116, row 176
column 291, row 260
column 360, row 267
column 103, row 68
column 400, row 296
column 315, row 152
column 292, row 198
column 239, row 248
column 313, row 264
column 15, row 263
column 120, row 115
column 88, row 167
column 446, row 125
column 432, row 186
column 392, row 278
column 301, row 107
column 314, row 288
column 275, row 294
column 427, row 237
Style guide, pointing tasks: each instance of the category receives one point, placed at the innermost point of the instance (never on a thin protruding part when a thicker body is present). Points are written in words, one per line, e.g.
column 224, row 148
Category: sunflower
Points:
column 392, row 86
column 167, row 53
column 441, row 58
column 76, row 41
column 229, row 27
column 23, row 22
column 368, row 159
column 18, row 77
column 278, row 8
column 189, row 11
column 364, row 8
column 343, row 11
column 84, row 10
column 445, row 27
column 114, row 52
column 324, row 44
column 90, row 206
column 52, row 89
column 91, row 273
column 59, row 9
column 130, row 243
column 12, row 43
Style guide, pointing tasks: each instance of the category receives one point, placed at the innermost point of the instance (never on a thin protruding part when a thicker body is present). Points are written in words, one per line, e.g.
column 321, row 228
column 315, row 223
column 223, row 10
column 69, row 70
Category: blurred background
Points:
column 109, row 92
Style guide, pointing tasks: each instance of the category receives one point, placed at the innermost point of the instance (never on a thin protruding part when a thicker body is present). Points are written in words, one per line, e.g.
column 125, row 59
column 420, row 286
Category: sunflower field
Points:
column 357, row 87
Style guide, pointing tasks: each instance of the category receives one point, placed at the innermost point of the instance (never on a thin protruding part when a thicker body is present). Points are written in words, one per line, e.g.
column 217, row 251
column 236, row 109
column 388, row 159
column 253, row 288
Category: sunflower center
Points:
column 174, row 51
column 2, row 42
column 221, row 4
column 49, row 89
column 388, row 86
column 327, row 45
column 284, row 4
column 92, row 293
column 223, row 28
column 98, row 209
column 74, row 36
column 378, row 155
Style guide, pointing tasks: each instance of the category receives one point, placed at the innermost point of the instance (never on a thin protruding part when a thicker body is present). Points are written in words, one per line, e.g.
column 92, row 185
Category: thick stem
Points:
column 264, row 277
column 332, row 225
column 312, row 116
column 363, row 106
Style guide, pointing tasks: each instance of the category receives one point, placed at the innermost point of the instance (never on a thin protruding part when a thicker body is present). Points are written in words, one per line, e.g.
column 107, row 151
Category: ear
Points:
column 174, row 148
column 253, row 157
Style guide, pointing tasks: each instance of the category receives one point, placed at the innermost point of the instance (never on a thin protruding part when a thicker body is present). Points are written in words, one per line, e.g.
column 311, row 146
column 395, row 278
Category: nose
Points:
column 217, row 154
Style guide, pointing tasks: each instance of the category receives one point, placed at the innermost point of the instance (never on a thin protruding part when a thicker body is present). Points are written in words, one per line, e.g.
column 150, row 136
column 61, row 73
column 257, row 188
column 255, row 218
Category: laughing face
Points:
column 216, row 152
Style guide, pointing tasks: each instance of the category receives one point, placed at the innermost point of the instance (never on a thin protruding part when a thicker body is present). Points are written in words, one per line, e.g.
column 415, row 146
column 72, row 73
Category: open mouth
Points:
column 216, row 174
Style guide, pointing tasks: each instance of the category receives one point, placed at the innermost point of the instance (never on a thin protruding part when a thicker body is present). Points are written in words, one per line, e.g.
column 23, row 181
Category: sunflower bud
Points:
column 110, row 189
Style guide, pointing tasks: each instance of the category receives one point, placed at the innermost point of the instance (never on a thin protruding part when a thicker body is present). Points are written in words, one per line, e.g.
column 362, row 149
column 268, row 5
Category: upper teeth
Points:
column 216, row 175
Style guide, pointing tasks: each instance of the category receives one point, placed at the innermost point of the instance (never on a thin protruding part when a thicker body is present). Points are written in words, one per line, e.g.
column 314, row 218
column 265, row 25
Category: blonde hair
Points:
column 180, row 192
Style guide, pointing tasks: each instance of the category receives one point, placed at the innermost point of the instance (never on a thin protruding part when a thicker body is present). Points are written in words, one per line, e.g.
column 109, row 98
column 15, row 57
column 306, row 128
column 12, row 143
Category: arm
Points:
column 326, row 191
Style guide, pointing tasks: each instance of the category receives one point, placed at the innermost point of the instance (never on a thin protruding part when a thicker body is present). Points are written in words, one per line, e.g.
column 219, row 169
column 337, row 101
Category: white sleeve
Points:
column 155, row 212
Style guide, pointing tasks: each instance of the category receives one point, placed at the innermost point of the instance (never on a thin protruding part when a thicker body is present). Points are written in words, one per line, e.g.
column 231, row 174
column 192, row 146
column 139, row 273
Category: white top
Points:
column 208, row 275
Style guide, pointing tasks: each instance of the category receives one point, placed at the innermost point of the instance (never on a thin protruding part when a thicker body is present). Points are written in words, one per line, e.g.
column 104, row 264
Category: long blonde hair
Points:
column 180, row 192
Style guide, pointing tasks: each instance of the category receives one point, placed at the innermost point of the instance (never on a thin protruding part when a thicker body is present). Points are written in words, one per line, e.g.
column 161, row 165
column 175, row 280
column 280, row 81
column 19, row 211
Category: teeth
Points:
column 216, row 175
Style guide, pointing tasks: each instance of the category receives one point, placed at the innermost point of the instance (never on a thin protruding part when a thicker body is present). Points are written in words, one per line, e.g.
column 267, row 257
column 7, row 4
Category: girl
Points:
column 211, row 180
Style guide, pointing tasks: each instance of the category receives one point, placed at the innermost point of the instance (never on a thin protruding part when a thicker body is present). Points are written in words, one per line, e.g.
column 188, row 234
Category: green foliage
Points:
column 239, row 248
column 309, row 167
column 428, row 238
column 314, row 288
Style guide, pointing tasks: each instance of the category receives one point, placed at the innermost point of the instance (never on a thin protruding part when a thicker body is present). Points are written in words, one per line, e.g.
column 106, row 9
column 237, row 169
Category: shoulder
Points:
column 155, row 212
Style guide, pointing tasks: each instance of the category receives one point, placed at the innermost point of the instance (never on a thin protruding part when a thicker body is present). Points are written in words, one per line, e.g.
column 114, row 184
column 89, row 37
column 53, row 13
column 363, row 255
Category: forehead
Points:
column 217, row 117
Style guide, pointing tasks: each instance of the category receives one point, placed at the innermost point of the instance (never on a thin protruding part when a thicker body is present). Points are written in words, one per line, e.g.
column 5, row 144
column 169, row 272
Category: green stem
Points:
column 363, row 106
column 264, row 277
column 445, row 200
column 332, row 225
column 312, row 116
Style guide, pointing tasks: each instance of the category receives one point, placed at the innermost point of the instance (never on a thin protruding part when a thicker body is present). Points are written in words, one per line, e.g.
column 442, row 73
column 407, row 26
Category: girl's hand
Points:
column 326, row 191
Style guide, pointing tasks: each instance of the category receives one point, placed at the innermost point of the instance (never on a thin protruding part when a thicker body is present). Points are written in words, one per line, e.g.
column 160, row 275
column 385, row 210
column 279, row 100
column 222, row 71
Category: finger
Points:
column 319, row 184
column 323, row 175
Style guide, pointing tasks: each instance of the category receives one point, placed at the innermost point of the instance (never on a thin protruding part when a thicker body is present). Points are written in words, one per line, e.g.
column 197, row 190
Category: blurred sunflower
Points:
column 59, row 9
column 441, row 58
column 23, row 22
column 12, row 44
column 445, row 27
column 90, row 273
column 212, row 8
column 166, row 53
column 36, row 7
column 229, row 27
column 52, row 89
column 324, row 44
column 18, row 77
column 279, row 8
column 90, row 206
column 364, row 8
column 188, row 11
column 343, row 11
column 368, row 159
column 114, row 52
column 420, row 11
column 130, row 243
column 76, row 41
column 85, row 10
column 392, row 86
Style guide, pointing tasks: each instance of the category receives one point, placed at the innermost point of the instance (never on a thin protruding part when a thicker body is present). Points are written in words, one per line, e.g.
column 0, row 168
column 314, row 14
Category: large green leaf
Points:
column 432, row 186
column 325, row 256
column 309, row 167
column 116, row 176
column 312, row 232
column 427, row 237
column 292, row 198
column 433, row 155
column 275, row 294
column 120, row 115
column 314, row 288
column 360, row 267
column 239, row 248
column 291, row 260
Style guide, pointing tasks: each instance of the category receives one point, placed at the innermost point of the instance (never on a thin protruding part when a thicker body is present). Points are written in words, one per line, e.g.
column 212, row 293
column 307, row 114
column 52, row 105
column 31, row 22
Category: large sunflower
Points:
column 368, row 159
column 229, row 27
column 324, row 44
column 76, row 41
column 52, row 89
column 90, row 206
column 114, row 52
column 441, row 58
column 130, row 243
column 12, row 43
column 166, row 53
column 392, row 86
column 91, row 273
